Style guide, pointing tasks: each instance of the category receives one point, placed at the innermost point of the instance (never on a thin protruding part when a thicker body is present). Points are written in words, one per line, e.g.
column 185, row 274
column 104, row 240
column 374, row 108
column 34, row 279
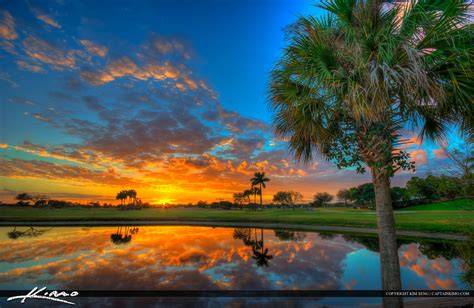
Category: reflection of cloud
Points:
column 7, row 26
column 196, row 258
column 436, row 273
column 170, row 258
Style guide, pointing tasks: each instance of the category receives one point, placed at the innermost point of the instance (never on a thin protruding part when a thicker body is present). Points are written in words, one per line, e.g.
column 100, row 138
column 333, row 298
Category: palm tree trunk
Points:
column 261, row 202
column 389, row 263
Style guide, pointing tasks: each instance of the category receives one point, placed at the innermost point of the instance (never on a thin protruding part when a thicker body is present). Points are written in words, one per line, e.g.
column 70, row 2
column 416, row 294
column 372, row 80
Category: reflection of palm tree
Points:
column 123, row 235
column 244, row 234
column 14, row 234
column 260, row 253
column 31, row 232
column 261, row 257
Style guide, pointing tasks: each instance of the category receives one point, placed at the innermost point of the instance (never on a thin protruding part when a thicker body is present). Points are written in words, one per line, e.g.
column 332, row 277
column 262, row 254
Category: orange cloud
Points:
column 96, row 49
column 45, row 18
column 45, row 52
column 126, row 67
column 440, row 153
column 29, row 67
column 420, row 156
column 40, row 117
column 7, row 26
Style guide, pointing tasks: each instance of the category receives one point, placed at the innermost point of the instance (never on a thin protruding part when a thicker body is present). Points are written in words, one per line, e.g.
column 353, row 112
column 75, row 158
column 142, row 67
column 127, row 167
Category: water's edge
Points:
column 442, row 236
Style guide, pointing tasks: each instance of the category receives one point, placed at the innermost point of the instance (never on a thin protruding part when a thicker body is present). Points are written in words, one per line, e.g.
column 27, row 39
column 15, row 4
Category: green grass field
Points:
column 448, row 217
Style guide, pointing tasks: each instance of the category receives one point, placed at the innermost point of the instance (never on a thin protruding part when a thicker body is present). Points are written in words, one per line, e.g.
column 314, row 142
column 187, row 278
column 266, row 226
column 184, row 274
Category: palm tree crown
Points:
column 373, row 68
column 259, row 179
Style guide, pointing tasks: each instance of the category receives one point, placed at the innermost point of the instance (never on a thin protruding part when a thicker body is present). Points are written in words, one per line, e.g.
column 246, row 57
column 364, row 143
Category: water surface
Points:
column 205, row 258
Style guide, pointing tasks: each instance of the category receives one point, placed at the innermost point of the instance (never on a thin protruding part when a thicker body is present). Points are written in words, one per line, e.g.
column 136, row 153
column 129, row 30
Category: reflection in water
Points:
column 30, row 232
column 123, row 234
column 201, row 258
column 287, row 235
column 260, row 252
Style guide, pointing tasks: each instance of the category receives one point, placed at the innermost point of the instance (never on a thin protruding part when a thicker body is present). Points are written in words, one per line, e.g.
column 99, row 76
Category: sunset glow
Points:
column 97, row 97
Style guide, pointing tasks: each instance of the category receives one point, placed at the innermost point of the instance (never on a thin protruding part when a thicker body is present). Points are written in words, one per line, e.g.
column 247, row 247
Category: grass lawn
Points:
column 448, row 217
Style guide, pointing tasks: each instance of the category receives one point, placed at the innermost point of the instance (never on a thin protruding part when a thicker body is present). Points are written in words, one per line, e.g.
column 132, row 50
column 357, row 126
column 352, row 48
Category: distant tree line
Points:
column 417, row 191
column 25, row 199
column 128, row 200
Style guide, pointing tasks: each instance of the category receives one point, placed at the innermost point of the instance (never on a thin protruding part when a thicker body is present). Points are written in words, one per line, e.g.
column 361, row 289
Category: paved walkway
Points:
column 444, row 236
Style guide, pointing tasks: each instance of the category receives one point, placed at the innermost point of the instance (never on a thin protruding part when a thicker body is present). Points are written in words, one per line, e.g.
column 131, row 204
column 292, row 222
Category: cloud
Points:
column 126, row 67
column 22, row 101
column 45, row 18
column 7, row 26
column 159, row 59
column 19, row 168
column 8, row 46
column 29, row 67
column 8, row 79
column 168, row 45
column 420, row 156
column 96, row 78
column 94, row 48
column 440, row 153
column 40, row 117
column 47, row 53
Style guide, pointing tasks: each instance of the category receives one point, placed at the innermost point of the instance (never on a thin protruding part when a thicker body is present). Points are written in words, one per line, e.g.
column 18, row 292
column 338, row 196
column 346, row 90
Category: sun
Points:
column 162, row 201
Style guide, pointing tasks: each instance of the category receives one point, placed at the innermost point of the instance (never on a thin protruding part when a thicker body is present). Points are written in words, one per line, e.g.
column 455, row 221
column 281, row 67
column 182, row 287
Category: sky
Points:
column 169, row 98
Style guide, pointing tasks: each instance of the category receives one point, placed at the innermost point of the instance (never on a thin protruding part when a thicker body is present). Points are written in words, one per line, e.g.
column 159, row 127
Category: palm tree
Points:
column 347, row 84
column 133, row 195
column 239, row 198
column 120, row 196
column 255, row 191
column 260, row 179
column 247, row 193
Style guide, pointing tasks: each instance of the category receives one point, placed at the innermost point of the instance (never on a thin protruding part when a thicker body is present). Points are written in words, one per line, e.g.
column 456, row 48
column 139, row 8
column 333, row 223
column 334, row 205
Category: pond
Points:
column 206, row 258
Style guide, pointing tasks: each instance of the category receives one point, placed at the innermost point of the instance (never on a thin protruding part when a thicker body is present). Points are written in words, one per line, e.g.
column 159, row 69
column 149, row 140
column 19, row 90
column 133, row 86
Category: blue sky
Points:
column 167, row 97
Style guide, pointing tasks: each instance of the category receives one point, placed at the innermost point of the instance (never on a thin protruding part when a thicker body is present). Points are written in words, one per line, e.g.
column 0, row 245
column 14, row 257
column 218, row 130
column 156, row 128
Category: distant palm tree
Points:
column 255, row 191
column 239, row 198
column 122, row 195
column 133, row 195
column 247, row 193
column 259, row 179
